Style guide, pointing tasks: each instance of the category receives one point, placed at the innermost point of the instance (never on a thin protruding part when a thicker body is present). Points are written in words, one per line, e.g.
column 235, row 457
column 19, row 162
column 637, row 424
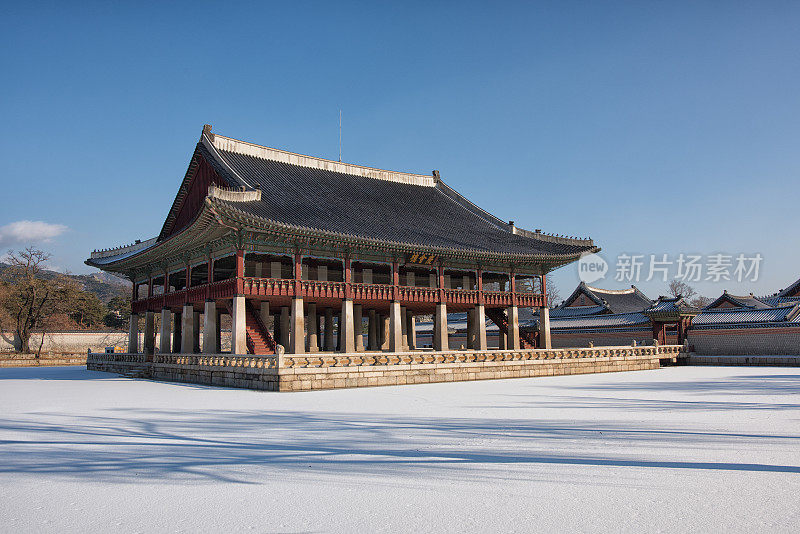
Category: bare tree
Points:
column 553, row 295
column 30, row 300
column 677, row 288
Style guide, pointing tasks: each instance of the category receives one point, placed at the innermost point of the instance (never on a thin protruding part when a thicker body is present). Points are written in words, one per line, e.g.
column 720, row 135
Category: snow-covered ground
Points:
column 683, row 448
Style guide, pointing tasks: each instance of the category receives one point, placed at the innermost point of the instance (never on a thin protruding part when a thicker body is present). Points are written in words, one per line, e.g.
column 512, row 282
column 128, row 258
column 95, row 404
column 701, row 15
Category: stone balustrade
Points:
column 334, row 370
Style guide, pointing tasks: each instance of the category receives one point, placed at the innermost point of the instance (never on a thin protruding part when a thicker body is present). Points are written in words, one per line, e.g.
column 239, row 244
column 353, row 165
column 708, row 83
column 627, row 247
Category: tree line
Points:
column 34, row 299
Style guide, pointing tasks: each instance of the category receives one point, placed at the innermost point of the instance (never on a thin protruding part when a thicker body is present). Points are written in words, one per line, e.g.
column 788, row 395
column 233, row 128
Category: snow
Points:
column 686, row 448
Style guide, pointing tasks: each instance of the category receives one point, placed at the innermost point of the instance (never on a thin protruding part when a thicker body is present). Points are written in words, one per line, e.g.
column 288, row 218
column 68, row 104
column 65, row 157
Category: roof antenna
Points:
column 340, row 135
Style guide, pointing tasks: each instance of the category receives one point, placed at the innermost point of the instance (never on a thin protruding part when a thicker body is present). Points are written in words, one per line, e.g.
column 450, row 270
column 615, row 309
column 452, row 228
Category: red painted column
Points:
column 395, row 280
column 543, row 285
column 348, row 278
column 240, row 272
column 298, row 274
column 210, row 278
column 166, row 289
column 512, row 286
column 187, row 284
column 440, row 273
column 479, row 282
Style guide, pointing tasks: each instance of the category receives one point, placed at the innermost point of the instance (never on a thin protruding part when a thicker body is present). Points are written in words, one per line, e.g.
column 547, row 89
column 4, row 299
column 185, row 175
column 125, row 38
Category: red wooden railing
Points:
column 281, row 287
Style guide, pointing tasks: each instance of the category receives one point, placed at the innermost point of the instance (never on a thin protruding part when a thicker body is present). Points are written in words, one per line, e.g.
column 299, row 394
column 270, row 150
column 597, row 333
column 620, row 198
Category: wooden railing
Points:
column 285, row 287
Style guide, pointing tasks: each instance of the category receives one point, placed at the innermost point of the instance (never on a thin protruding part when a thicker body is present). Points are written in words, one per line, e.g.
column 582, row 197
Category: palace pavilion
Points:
column 314, row 255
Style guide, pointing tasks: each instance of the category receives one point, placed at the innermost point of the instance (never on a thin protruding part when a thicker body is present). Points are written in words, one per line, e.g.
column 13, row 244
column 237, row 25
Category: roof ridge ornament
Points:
column 234, row 194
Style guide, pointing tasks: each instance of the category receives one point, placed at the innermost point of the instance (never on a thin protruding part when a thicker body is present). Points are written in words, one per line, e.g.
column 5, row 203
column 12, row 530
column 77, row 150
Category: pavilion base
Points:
column 331, row 371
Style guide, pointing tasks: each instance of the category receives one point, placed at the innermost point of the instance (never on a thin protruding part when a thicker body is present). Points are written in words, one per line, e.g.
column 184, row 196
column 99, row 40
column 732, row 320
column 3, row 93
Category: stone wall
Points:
column 68, row 342
column 763, row 361
column 336, row 370
column 746, row 341
column 47, row 359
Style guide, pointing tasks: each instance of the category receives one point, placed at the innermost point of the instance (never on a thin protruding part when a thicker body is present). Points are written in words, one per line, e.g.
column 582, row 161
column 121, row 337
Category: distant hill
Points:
column 105, row 285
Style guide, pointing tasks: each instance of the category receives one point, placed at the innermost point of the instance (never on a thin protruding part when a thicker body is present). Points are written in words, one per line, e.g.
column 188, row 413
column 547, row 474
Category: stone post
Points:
column 219, row 331
column 187, row 329
column 372, row 331
column 133, row 335
column 395, row 328
column 513, row 328
column 358, row 327
column 470, row 329
column 177, row 332
column 479, row 317
column 411, row 329
column 347, row 339
column 266, row 318
column 384, row 328
column 403, row 327
column 238, row 331
column 165, row 346
column 330, row 343
column 545, row 342
column 149, row 333
column 440, row 337
column 210, row 327
column 285, row 330
column 313, row 327
column 196, row 332
column 297, row 341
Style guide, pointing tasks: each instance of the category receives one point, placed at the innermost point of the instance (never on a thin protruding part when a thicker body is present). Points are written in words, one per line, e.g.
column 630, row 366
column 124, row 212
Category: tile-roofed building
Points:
column 588, row 300
column 727, row 300
column 743, row 317
column 255, row 232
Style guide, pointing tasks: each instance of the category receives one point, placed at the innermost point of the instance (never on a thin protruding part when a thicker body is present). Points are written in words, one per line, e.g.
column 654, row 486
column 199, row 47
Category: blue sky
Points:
column 653, row 127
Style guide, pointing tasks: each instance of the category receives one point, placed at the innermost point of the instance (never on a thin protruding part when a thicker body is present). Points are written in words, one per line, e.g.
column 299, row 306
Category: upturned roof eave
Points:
column 259, row 223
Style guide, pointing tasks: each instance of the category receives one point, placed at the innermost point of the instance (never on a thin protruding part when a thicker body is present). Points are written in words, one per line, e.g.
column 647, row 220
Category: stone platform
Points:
column 333, row 370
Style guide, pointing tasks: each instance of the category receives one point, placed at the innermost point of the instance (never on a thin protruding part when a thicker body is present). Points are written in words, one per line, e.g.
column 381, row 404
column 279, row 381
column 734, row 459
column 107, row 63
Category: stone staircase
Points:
column 527, row 340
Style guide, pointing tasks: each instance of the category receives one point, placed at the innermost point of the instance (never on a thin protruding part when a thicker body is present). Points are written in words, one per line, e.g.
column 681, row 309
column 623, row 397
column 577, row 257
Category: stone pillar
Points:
column 313, row 327
column 440, row 337
column 133, row 335
column 149, row 333
column 358, row 327
column 395, row 328
column 210, row 327
column 285, row 328
column 297, row 341
column 347, row 339
column 501, row 339
column 219, row 331
column 470, row 329
column 479, row 316
column 165, row 347
column 384, row 329
column 196, row 332
column 372, row 331
column 177, row 332
column 411, row 329
column 513, row 327
column 187, row 329
column 238, row 331
column 544, row 329
column 403, row 327
column 330, row 344
column 266, row 318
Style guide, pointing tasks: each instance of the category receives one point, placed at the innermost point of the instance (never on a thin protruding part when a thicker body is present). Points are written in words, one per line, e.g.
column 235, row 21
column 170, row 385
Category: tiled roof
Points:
column 779, row 301
column 574, row 311
column 741, row 301
column 612, row 300
column 738, row 316
column 791, row 290
column 405, row 210
column 671, row 305
column 611, row 320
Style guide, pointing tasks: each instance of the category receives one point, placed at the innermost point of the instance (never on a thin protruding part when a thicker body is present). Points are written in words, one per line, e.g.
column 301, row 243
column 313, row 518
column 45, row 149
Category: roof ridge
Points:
column 612, row 291
column 229, row 144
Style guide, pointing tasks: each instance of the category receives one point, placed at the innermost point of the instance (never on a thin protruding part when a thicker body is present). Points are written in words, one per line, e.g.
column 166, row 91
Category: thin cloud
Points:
column 22, row 232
